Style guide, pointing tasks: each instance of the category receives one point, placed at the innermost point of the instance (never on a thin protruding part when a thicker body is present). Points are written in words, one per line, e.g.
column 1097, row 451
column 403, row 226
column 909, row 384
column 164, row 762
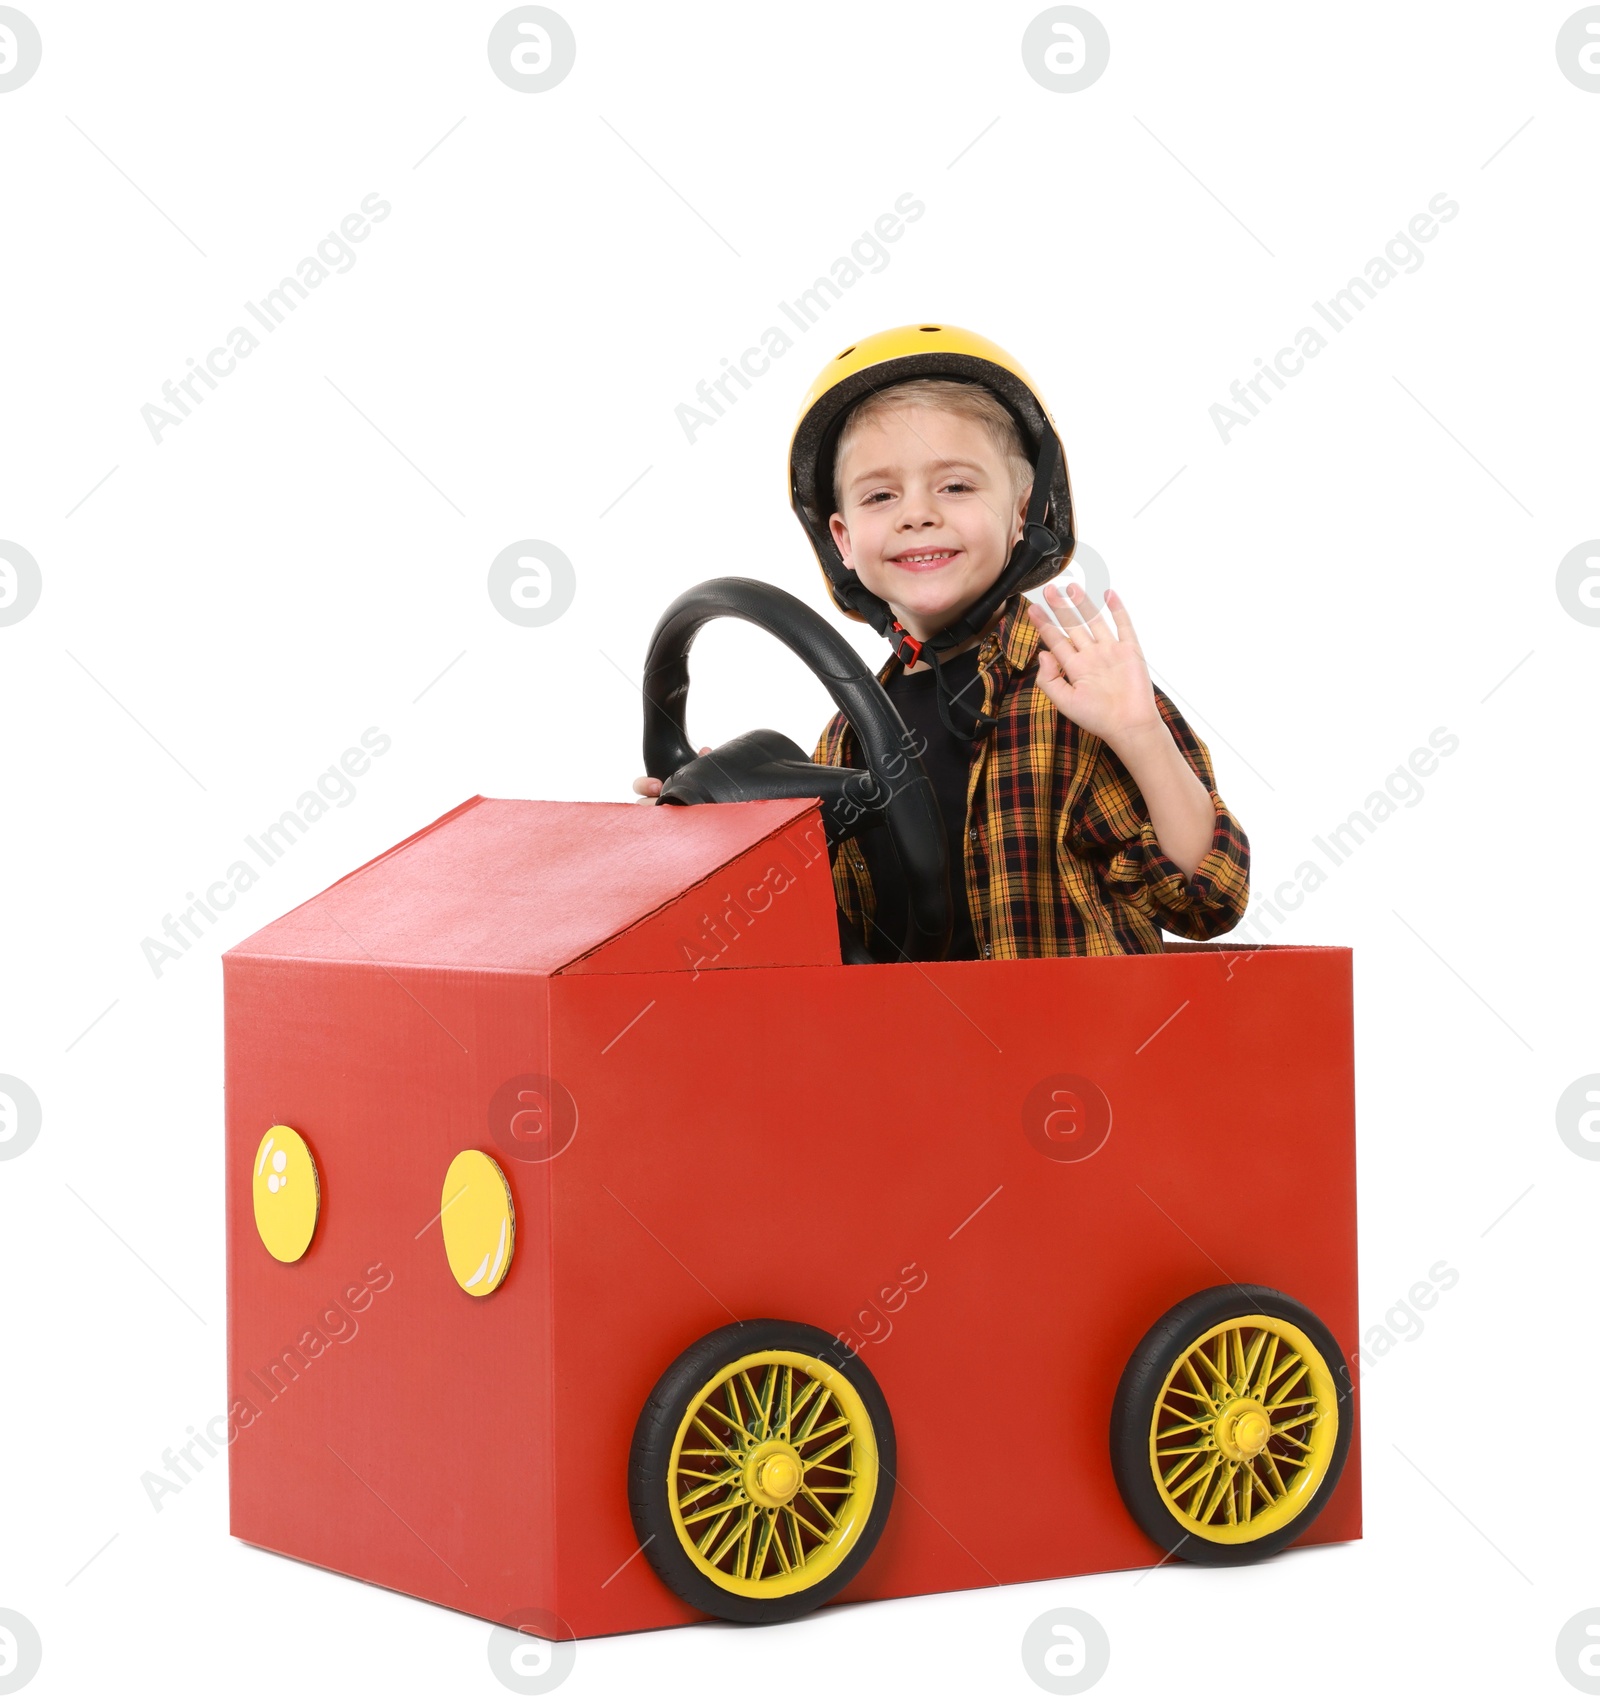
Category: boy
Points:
column 1081, row 810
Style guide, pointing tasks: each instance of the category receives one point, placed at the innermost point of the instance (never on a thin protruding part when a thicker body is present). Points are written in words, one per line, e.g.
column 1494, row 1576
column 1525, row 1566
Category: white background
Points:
column 1374, row 557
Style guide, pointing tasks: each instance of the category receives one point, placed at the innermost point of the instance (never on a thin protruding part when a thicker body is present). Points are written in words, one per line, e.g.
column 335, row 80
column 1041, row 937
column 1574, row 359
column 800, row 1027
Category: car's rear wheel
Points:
column 762, row 1471
column 1231, row 1425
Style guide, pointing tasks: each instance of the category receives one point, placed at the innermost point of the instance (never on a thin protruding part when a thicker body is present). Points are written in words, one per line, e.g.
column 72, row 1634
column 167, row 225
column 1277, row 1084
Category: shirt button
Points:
column 972, row 834
column 986, row 949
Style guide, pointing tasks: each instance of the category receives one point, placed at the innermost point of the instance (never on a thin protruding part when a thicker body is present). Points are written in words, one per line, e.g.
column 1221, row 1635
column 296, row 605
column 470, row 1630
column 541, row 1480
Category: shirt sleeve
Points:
column 852, row 884
column 1110, row 825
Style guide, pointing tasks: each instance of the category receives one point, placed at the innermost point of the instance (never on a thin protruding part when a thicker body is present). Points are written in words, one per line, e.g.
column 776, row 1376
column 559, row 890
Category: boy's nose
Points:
column 918, row 514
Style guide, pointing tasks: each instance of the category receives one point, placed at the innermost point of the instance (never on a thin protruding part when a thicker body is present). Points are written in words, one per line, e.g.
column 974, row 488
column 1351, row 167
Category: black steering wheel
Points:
column 892, row 797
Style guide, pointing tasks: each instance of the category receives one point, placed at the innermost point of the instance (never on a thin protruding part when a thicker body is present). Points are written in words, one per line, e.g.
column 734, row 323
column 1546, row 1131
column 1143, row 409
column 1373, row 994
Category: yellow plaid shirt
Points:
column 1061, row 859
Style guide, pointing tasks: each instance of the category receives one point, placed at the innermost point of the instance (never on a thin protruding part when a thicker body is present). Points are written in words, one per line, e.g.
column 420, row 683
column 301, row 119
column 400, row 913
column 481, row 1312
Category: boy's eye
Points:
column 949, row 485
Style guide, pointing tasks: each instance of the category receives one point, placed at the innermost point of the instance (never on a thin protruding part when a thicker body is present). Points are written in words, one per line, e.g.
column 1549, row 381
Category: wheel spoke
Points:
column 769, row 1393
column 731, row 1505
column 1272, row 1466
column 765, row 1541
column 1267, row 1497
column 796, row 1542
column 1265, row 1378
column 711, row 1530
column 1202, row 1476
column 1280, row 1433
column 797, row 1407
column 840, row 1489
column 1290, row 1466
column 1223, row 1484
column 1202, row 1482
column 743, row 1560
column 686, row 1504
column 756, row 1415
column 705, row 1542
column 741, row 1529
column 1294, row 1360
column 1247, row 1479
column 832, row 1521
column 832, row 1448
column 732, row 1416
column 1183, row 1465
column 1201, row 1392
column 819, row 1407
column 833, row 1424
column 1276, row 1407
column 711, row 1477
column 736, row 1500
column 775, row 1520
column 1200, row 1354
column 1294, row 1401
column 722, row 1448
column 685, row 1501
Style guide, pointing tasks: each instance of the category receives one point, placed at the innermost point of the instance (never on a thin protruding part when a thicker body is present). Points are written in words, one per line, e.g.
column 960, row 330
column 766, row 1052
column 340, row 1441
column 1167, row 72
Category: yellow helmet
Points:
column 928, row 351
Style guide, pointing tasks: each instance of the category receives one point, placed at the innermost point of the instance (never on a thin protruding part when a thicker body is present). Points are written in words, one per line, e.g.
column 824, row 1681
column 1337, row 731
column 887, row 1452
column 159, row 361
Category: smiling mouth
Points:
column 923, row 559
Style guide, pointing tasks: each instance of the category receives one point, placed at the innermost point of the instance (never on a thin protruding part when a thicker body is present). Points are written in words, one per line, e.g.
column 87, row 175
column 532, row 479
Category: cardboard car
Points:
column 605, row 1251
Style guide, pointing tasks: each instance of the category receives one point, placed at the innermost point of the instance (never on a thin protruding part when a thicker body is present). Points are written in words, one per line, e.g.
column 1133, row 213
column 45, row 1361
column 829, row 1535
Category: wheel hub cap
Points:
column 1243, row 1429
column 773, row 1474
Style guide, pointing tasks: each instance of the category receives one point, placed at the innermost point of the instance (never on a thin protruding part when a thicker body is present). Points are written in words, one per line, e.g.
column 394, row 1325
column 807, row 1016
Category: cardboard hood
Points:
column 543, row 888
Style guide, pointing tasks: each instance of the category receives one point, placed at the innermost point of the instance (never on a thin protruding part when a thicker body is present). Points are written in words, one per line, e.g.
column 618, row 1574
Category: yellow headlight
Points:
column 479, row 1222
column 286, row 1193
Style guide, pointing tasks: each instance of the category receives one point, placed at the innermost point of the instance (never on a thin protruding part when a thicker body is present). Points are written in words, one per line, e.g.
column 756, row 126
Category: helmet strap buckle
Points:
column 906, row 648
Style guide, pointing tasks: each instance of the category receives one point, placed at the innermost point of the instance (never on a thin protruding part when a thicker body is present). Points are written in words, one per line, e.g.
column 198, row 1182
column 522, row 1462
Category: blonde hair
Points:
column 952, row 396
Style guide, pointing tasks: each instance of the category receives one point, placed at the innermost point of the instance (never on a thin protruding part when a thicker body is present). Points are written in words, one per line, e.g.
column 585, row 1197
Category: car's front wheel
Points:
column 762, row 1471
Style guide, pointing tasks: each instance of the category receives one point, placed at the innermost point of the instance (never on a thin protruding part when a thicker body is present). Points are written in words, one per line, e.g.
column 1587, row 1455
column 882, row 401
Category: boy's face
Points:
column 926, row 516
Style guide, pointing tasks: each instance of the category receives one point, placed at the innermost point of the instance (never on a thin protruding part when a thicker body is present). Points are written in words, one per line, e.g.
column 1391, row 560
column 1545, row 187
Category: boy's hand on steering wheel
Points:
column 650, row 790
column 1095, row 677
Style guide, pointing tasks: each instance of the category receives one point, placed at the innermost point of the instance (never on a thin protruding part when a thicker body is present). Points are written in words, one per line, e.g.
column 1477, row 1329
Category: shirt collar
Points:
column 1015, row 637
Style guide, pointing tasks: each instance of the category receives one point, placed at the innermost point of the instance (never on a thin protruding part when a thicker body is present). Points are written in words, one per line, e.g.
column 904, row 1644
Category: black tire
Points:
column 1140, row 1389
column 649, row 1490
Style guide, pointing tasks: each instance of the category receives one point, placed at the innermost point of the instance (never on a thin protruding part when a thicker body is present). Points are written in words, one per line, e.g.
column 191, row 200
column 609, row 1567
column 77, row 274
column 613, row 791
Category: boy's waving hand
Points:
column 1095, row 677
column 1099, row 681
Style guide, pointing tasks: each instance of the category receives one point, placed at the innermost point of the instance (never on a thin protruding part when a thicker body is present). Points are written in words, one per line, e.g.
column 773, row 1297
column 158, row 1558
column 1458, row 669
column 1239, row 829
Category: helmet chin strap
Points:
column 1037, row 543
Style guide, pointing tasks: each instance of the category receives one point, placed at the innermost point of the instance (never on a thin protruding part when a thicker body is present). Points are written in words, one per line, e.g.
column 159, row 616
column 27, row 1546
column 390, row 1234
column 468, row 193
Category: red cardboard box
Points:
column 729, row 1123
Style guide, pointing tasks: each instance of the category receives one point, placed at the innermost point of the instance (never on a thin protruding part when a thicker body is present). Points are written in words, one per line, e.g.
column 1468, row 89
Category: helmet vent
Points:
column 843, row 352
column 930, row 327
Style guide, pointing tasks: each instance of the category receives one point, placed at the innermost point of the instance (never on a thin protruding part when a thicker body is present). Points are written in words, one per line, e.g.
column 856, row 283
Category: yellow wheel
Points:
column 1231, row 1425
column 762, row 1471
